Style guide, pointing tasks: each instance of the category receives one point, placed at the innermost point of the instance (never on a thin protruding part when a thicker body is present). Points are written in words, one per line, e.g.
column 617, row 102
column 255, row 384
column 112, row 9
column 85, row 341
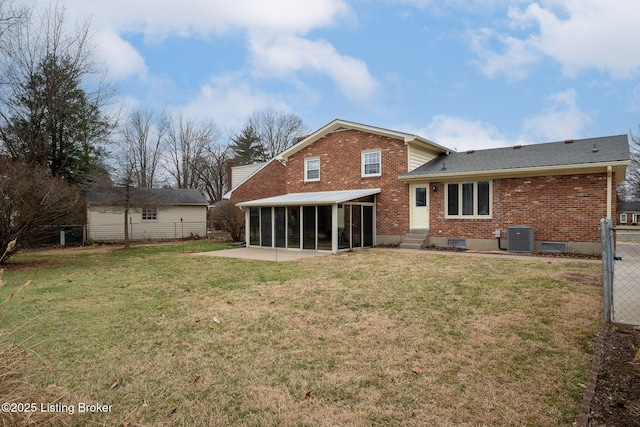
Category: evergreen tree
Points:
column 247, row 147
column 55, row 125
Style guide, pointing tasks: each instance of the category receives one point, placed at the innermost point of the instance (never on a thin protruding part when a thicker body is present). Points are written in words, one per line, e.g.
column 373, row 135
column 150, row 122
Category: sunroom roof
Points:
column 314, row 198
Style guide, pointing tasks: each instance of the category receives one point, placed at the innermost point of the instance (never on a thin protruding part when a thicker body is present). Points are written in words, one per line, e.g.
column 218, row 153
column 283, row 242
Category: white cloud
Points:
column 230, row 100
column 162, row 18
column 274, row 32
column 283, row 56
column 121, row 58
column 563, row 119
column 463, row 134
column 577, row 34
column 514, row 61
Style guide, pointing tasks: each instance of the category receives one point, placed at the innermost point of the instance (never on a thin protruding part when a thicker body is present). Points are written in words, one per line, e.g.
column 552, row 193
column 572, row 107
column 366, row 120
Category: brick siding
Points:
column 560, row 208
column 340, row 155
column 270, row 181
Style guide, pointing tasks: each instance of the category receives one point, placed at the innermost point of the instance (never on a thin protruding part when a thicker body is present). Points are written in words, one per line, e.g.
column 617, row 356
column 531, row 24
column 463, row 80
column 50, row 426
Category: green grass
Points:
column 366, row 338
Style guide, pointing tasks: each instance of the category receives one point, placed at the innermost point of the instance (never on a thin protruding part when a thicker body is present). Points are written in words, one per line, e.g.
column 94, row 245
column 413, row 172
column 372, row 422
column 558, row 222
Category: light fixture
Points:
column 434, row 188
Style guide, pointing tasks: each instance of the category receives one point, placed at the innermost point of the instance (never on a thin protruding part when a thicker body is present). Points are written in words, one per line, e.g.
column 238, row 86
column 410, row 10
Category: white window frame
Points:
column 623, row 218
column 306, row 169
column 475, row 200
column 364, row 164
column 149, row 214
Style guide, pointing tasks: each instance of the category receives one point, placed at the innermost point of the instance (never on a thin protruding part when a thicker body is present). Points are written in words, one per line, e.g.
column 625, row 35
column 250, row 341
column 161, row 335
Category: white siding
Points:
column 107, row 223
column 418, row 157
column 240, row 173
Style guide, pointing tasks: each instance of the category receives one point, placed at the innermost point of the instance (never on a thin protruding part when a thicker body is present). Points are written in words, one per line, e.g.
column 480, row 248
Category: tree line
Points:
column 62, row 132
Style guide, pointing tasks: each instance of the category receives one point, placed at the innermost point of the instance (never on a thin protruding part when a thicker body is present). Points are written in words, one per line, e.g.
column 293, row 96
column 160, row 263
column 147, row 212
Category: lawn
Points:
column 376, row 337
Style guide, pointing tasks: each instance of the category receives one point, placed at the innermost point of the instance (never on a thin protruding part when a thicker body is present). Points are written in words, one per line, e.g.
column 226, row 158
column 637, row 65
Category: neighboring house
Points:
column 157, row 213
column 350, row 185
column 629, row 213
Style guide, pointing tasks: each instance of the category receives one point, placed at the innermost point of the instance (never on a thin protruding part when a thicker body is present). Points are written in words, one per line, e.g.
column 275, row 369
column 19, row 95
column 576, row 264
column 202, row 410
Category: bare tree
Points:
column 31, row 201
column 189, row 143
column 277, row 131
column 213, row 174
column 11, row 20
column 143, row 139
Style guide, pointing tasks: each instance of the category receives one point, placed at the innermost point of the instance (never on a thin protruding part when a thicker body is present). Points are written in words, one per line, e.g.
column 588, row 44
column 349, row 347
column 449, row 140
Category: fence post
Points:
column 606, row 231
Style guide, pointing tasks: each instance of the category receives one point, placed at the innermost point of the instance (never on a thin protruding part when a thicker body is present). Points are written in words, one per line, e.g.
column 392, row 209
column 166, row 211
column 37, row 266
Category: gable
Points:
column 342, row 125
column 269, row 180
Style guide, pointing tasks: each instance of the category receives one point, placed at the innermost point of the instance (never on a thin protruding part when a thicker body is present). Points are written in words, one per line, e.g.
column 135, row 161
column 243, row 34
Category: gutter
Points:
column 528, row 171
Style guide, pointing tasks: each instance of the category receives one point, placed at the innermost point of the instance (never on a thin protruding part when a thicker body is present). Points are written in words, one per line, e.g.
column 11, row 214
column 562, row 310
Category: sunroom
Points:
column 322, row 221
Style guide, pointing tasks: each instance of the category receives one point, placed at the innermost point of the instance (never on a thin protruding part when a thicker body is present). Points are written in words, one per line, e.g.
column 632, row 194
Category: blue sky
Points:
column 463, row 73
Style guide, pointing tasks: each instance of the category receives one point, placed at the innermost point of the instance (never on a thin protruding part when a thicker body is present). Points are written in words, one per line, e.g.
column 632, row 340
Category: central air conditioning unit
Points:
column 520, row 239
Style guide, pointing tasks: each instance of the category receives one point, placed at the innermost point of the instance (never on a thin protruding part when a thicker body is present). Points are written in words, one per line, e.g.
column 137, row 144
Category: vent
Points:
column 457, row 243
column 554, row 247
column 520, row 239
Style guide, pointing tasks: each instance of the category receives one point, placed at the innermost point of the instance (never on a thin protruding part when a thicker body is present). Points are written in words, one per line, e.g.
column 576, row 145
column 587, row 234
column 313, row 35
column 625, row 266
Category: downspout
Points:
column 609, row 190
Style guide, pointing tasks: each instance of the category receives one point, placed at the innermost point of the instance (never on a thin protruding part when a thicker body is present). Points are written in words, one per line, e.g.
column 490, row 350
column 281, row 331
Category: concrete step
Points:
column 416, row 239
column 405, row 245
column 412, row 240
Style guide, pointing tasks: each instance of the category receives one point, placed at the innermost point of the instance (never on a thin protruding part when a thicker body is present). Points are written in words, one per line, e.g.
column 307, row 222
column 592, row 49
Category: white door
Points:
column 420, row 206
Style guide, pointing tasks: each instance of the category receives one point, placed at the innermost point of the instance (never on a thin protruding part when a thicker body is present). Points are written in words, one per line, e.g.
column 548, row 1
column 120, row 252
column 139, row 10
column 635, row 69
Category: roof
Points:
column 261, row 166
column 584, row 153
column 338, row 125
column 633, row 206
column 312, row 198
column 161, row 196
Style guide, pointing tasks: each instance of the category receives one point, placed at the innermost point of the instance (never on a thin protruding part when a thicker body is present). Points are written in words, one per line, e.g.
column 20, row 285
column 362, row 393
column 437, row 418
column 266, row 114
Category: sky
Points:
column 466, row 74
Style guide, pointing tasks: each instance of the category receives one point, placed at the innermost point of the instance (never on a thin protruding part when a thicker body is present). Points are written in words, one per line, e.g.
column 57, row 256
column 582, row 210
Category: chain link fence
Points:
column 147, row 231
column 621, row 273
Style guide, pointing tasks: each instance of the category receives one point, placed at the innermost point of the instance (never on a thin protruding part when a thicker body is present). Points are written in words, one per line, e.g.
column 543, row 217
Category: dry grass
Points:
column 367, row 338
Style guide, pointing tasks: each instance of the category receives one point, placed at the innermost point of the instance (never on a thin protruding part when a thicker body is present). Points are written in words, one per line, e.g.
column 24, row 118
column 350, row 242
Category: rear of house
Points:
column 336, row 189
column 350, row 185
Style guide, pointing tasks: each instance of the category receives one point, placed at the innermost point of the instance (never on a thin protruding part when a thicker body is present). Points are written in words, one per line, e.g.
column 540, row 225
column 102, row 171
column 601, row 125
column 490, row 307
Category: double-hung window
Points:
column 149, row 214
column 469, row 199
column 312, row 169
column 371, row 163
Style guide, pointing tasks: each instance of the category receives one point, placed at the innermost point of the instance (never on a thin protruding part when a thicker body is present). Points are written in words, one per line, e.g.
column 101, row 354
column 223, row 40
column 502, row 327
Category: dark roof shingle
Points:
column 577, row 152
column 160, row 196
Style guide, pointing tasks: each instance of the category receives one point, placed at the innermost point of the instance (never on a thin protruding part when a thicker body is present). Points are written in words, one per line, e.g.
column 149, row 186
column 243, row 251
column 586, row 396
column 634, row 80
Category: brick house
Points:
column 350, row 185
column 629, row 213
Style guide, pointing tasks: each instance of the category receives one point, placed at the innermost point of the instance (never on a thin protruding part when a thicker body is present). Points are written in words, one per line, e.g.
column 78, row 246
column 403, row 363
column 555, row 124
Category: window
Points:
column 254, row 226
column 469, row 199
column 623, row 218
column 371, row 163
column 149, row 214
column 421, row 197
column 312, row 170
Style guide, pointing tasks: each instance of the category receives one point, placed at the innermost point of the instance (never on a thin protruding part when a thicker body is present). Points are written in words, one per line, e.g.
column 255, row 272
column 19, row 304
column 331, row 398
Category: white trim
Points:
column 311, row 198
column 475, row 214
column 623, row 221
column 519, row 172
column 363, row 155
column 338, row 124
column 228, row 194
column 306, row 169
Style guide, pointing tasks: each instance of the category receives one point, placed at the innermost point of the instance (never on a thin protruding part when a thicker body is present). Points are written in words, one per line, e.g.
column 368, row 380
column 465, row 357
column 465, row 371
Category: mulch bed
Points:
column 615, row 401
